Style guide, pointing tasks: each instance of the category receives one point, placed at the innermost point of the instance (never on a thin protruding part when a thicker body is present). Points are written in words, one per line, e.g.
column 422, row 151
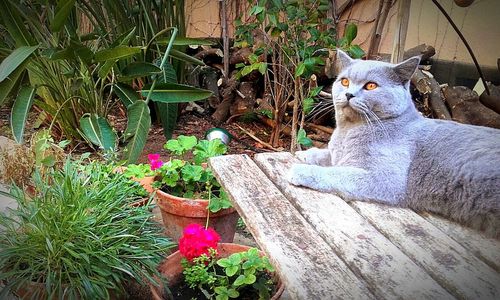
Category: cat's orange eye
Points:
column 371, row 86
column 344, row 82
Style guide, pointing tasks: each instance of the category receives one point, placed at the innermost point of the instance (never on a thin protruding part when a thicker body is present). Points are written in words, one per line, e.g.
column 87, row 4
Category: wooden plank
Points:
column 455, row 268
column 305, row 262
column 388, row 271
column 486, row 249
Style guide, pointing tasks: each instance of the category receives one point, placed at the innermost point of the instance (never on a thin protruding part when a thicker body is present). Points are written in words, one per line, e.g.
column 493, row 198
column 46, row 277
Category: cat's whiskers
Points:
column 321, row 109
column 379, row 122
column 368, row 123
column 363, row 111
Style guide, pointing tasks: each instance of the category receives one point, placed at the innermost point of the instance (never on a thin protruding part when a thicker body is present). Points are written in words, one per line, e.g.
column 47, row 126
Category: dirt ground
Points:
column 189, row 123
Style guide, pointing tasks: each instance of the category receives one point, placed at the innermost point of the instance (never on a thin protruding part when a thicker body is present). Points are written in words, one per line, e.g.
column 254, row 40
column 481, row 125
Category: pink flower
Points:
column 154, row 161
column 196, row 240
column 153, row 156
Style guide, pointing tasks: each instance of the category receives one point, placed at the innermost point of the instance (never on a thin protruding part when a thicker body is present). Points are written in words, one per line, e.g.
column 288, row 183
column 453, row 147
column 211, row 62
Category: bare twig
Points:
column 377, row 36
column 225, row 38
column 401, row 31
column 429, row 87
column 256, row 138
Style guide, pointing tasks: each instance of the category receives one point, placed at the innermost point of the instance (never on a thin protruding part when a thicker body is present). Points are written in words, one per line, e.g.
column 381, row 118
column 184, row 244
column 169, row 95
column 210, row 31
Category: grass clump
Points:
column 78, row 237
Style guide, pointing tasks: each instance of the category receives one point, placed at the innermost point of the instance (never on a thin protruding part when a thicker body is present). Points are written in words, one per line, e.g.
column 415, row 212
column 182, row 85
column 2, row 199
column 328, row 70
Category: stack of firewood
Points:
column 237, row 97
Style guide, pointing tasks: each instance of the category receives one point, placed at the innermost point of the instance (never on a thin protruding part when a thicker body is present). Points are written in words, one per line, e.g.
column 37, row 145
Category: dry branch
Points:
column 425, row 52
column 430, row 88
column 209, row 52
column 491, row 101
column 466, row 108
column 220, row 114
column 256, row 138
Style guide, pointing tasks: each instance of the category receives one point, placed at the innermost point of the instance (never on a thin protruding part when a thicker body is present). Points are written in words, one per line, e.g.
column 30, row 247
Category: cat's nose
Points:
column 349, row 96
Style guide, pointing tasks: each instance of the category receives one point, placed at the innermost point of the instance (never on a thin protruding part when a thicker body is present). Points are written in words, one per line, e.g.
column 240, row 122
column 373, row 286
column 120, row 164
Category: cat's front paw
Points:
column 299, row 174
column 314, row 156
column 302, row 156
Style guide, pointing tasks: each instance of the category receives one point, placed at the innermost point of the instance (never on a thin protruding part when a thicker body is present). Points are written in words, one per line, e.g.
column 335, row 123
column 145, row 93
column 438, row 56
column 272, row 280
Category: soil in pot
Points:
column 181, row 291
column 171, row 270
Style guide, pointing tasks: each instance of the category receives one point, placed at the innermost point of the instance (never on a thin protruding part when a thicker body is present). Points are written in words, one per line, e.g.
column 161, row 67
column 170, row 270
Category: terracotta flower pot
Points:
column 171, row 268
column 146, row 182
column 178, row 212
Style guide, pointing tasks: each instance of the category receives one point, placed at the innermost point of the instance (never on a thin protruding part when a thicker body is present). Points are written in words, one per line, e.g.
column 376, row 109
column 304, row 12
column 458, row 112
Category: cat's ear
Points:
column 406, row 69
column 344, row 58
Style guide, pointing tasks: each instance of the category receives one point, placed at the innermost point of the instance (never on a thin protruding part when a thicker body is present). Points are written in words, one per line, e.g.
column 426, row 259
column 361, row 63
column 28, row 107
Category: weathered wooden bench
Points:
column 325, row 248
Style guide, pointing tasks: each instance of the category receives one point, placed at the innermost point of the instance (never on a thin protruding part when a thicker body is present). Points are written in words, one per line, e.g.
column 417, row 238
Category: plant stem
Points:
column 209, row 199
column 163, row 61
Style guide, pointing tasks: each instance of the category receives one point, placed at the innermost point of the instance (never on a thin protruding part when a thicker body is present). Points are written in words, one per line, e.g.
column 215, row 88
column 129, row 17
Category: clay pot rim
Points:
column 198, row 207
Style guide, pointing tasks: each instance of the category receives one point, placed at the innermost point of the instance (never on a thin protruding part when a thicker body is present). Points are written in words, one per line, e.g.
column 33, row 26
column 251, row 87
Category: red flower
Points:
column 154, row 161
column 196, row 240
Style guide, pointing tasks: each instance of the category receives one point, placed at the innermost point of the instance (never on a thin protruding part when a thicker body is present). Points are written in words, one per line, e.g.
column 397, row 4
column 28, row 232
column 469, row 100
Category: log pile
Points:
column 235, row 97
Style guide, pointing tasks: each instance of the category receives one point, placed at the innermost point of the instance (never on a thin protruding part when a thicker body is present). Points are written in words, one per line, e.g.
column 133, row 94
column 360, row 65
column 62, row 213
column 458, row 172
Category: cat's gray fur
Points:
column 383, row 150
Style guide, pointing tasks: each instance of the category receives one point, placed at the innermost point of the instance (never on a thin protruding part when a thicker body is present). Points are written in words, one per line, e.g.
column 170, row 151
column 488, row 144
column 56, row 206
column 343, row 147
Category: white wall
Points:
column 479, row 23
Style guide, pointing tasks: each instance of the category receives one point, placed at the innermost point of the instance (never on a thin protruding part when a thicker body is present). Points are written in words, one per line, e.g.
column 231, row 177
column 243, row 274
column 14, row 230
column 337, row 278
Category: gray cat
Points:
column 383, row 150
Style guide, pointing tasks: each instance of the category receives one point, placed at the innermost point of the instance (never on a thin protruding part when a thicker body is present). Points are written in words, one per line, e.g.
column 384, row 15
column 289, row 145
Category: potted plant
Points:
column 142, row 173
column 188, row 192
column 203, row 268
column 77, row 237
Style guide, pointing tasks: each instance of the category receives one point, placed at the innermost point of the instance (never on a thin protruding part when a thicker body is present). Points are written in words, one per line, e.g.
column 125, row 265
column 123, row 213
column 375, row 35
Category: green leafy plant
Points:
column 186, row 173
column 222, row 278
column 290, row 41
column 73, row 77
column 138, row 171
column 302, row 138
column 77, row 237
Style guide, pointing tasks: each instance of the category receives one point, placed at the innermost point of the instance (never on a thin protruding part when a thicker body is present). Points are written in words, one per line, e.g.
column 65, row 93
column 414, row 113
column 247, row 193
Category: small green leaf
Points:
column 300, row 70
column 355, row 51
column 224, row 262
column 230, row 271
column 206, row 149
column 308, row 105
column 220, row 290
column 315, row 91
column 262, row 68
column 14, row 23
column 98, row 131
column 246, row 70
column 63, row 9
column 181, row 145
column 20, row 111
column 351, row 31
column 126, row 94
column 240, row 280
column 192, row 172
column 49, row 161
column 14, row 60
column 175, row 93
column 232, row 293
column 303, row 139
column 138, row 124
column 185, row 41
column 118, row 52
column 140, row 69
column 9, row 83
column 187, row 58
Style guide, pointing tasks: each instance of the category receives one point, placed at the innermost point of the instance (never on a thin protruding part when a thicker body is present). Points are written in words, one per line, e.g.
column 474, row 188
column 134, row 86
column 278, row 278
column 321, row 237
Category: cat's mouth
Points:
column 351, row 110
